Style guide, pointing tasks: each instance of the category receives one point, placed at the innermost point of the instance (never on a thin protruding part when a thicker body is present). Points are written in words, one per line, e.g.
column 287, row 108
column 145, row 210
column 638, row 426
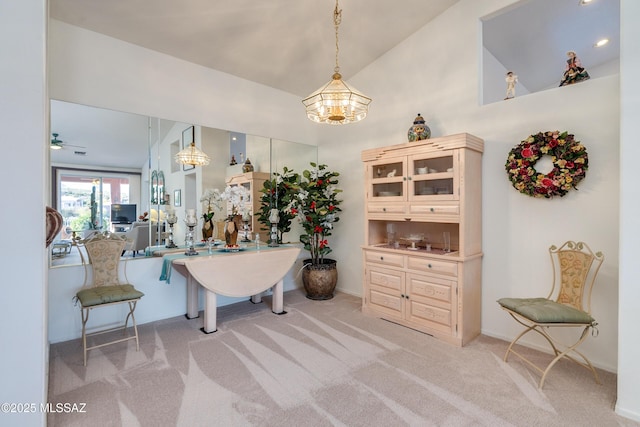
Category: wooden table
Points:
column 235, row 274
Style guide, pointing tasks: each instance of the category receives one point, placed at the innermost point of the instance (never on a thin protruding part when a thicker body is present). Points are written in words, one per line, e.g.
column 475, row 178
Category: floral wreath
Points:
column 570, row 164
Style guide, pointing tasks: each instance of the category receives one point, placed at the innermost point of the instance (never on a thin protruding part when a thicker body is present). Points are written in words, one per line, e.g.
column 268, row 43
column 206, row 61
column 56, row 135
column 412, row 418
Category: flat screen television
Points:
column 123, row 214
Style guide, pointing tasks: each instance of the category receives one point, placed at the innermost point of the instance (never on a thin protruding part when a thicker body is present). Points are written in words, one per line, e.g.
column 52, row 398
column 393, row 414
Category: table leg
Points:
column 257, row 298
column 278, row 298
column 210, row 312
column 192, row 297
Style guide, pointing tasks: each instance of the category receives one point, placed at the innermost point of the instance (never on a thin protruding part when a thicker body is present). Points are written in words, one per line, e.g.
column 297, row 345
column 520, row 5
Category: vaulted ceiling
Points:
column 285, row 44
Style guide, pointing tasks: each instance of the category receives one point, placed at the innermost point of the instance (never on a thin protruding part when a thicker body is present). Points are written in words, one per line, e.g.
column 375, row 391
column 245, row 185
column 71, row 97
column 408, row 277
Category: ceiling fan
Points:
column 57, row 144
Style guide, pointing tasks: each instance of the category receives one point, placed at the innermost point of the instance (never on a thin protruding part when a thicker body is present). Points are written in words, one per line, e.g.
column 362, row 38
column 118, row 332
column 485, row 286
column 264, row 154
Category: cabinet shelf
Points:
column 421, row 250
column 253, row 182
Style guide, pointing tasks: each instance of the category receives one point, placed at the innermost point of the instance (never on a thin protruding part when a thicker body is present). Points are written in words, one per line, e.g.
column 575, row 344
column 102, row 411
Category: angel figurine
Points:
column 511, row 80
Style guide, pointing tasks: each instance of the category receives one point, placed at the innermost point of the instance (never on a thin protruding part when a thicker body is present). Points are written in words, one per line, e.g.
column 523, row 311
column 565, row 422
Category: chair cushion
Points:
column 542, row 310
column 106, row 294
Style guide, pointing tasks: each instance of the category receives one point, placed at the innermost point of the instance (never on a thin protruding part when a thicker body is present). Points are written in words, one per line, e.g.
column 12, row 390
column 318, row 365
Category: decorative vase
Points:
column 231, row 227
column 419, row 130
column 320, row 280
column 247, row 166
column 54, row 223
column 208, row 229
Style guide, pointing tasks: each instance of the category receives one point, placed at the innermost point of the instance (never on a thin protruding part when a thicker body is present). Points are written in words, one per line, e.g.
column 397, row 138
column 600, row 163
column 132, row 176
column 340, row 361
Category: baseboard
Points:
column 632, row 415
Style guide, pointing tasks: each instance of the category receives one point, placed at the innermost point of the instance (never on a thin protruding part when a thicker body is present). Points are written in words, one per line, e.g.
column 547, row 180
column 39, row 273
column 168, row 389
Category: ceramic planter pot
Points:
column 320, row 280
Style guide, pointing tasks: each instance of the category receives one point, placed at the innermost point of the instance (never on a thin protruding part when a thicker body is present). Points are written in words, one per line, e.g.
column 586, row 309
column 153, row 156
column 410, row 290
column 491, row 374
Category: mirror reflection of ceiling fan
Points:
column 57, row 144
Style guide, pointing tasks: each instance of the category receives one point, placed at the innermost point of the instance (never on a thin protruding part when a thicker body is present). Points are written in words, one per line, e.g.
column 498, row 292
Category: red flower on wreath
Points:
column 527, row 152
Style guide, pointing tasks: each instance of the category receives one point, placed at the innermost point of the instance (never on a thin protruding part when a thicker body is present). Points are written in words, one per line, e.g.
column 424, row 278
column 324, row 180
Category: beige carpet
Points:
column 321, row 364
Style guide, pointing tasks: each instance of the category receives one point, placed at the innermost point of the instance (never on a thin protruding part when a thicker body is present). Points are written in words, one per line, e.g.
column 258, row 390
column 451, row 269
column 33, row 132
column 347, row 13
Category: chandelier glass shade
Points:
column 336, row 102
column 192, row 155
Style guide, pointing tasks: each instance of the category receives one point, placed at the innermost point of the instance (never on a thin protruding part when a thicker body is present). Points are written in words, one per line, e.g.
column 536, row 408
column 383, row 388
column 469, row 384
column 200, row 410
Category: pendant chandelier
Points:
column 192, row 155
column 336, row 102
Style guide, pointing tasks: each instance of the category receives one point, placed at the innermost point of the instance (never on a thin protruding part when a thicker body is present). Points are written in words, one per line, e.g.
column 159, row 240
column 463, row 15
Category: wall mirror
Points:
column 531, row 38
column 127, row 160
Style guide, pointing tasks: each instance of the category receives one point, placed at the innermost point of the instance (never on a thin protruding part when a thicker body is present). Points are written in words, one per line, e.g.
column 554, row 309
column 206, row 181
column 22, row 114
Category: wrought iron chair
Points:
column 105, row 288
column 576, row 268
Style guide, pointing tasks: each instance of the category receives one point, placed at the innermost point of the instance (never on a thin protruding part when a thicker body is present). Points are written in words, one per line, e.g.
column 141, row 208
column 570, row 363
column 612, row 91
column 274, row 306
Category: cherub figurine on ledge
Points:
column 511, row 80
column 574, row 71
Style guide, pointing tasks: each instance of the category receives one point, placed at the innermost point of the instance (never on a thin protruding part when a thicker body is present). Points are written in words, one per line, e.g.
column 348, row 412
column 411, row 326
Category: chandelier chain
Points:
column 337, row 19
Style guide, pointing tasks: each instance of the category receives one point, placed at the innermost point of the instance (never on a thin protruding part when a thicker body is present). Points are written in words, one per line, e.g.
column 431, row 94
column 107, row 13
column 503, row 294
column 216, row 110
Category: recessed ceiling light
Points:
column 585, row 2
column 601, row 43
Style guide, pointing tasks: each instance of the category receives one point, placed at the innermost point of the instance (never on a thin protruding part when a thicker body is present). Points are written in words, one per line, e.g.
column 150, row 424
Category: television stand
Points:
column 120, row 228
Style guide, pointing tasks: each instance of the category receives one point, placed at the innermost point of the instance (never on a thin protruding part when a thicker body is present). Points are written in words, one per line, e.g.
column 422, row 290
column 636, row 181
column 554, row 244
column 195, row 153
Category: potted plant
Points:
column 239, row 209
column 316, row 206
column 211, row 199
column 278, row 193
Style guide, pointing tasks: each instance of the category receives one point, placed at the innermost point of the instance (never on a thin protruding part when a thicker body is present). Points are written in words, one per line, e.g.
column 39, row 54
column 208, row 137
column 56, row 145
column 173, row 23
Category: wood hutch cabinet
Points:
column 253, row 182
column 423, row 235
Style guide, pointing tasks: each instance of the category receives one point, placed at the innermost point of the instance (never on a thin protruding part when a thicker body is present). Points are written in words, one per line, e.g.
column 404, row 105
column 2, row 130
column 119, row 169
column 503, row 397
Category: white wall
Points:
column 93, row 69
column 161, row 300
column 628, row 403
column 517, row 229
column 23, row 113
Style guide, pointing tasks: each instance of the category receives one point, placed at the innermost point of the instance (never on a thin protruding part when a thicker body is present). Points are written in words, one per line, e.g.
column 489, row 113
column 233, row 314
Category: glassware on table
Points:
column 446, row 241
column 171, row 220
column 191, row 221
column 391, row 234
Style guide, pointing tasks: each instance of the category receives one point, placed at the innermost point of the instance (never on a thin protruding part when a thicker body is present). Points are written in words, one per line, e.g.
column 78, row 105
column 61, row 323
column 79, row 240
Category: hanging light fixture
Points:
column 192, row 155
column 336, row 103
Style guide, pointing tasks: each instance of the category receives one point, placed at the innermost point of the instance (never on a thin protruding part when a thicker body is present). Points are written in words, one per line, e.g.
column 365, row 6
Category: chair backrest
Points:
column 139, row 235
column 576, row 266
column 104, row 252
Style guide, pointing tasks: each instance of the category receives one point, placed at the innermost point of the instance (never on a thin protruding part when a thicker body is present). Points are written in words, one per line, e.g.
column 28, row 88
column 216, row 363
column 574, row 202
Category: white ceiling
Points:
column 285, row 44
column 109, row 138
column 290, row 44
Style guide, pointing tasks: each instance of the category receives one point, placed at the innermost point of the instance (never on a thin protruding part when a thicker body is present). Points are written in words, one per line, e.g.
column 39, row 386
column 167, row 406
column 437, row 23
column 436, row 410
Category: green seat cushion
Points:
column 542, row 310
column 105, row 294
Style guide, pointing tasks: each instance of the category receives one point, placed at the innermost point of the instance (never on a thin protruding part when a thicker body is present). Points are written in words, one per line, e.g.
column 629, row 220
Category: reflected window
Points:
column 84, row 199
